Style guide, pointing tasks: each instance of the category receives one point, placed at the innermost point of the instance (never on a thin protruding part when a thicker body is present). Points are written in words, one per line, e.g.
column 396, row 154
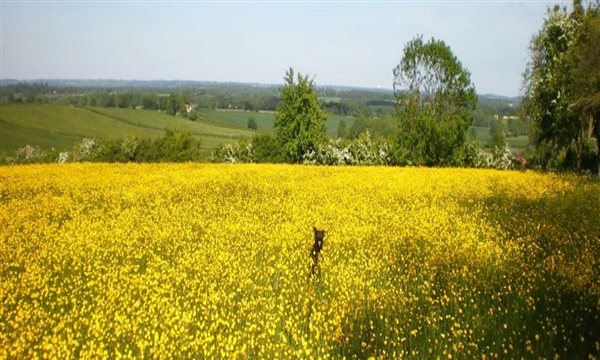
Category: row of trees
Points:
column 435, row 102
column 436, row 99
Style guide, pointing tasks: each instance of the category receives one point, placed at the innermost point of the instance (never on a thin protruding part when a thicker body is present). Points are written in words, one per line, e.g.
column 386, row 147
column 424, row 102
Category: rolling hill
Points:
column 60, row 126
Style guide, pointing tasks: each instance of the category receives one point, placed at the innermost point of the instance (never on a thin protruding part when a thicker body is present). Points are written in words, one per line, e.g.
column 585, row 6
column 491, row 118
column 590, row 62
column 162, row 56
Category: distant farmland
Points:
column 60, row 126
column 264, row 119
column 483, row 136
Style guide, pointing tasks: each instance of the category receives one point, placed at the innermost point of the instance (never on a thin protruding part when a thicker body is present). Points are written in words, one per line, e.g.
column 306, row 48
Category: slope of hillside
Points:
column 60, row 126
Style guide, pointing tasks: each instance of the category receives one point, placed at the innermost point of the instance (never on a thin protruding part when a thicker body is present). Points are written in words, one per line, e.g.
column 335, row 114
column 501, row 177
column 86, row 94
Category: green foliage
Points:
column 60, row 126
column 517, row 126
column 233, row 153
column 363, row 150
column 150, row 102
column 265, row 149
column 193, row 115
column 171, row 147
column 497, row 138
column 341, row 130
column 472, row 135
column 175, row 105
column 252, row 124
column 562, row 86
column 358, row 127
column 29, row 155
column 435, row 103
column 338, row 108
column 385, row 126
column 299, row 119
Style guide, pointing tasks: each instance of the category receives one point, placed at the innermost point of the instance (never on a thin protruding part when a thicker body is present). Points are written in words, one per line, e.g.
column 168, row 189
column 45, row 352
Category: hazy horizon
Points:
column 348, row 44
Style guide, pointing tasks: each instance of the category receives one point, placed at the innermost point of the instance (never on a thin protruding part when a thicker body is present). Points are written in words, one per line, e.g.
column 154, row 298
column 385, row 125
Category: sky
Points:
column 347, row 43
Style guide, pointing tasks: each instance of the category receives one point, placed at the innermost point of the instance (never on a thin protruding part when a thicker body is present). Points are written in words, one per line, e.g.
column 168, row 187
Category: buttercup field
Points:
column 212, row 261
column 313, row 179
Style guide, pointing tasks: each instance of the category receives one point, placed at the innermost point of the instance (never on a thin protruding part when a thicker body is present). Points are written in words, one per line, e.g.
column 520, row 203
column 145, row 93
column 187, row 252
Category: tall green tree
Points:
column 299, row 119
column 562, row 85
column 435, row 103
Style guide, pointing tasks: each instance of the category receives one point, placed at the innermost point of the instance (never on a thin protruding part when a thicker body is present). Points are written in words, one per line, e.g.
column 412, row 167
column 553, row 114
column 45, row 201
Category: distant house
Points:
column 189, row 107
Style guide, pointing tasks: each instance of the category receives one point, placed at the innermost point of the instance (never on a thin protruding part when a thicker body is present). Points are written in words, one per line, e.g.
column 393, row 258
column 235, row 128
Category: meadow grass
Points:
column 205, row 261
column 61, row 126
column 520, row 141
column 264, row 120
column 483, row 137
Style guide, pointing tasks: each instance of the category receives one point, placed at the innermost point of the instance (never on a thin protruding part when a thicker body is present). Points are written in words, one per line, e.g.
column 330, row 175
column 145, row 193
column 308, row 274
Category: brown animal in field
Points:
column 316, row 249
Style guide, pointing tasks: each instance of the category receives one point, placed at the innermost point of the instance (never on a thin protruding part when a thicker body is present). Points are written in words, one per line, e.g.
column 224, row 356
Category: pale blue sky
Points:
column 339, row 43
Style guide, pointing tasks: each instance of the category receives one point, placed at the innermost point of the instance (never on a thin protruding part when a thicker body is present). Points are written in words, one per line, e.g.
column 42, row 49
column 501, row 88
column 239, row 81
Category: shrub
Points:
column 28, row 154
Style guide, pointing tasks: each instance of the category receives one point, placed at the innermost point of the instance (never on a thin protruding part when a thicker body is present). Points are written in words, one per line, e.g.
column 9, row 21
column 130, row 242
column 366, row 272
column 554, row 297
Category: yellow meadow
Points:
column 210, row 261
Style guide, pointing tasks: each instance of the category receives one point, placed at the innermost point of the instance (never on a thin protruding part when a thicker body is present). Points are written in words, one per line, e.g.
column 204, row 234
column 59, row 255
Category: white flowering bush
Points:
column 86, row 150
column 129, row 147
column 362, row 151
column 500, row 158
column 64, row 157
column 233, row 153
column 27, row 154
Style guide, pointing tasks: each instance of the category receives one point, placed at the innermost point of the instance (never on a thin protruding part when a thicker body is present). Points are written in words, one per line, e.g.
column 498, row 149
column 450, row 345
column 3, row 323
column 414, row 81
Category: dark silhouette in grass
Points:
column 316, row 249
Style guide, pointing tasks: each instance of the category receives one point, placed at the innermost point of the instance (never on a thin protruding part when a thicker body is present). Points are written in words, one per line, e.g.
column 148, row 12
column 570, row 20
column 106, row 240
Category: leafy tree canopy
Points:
column 562, row 85
column 435, row 101
column 299, row 120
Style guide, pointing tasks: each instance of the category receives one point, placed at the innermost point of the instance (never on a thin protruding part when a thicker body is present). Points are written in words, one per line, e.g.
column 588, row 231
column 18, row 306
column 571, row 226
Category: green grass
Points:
column 483, row 136
column 211, row 133
column 518, row 141
column 60, row 126
column 15, row 136
column 264, row 120
column 239, row 118
column 333, row 122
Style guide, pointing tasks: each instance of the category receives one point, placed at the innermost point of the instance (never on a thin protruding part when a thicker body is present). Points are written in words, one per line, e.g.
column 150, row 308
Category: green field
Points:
column 517, row 141
column 239, row 118
column 60, row 126
column 483, row 136
column 264, row 119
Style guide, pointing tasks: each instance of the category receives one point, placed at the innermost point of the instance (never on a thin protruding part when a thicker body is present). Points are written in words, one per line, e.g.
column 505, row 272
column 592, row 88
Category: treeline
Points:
column 247, row 97
column 149, row 99
column 299, row 137
column 434, row 114
column 170, row 147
